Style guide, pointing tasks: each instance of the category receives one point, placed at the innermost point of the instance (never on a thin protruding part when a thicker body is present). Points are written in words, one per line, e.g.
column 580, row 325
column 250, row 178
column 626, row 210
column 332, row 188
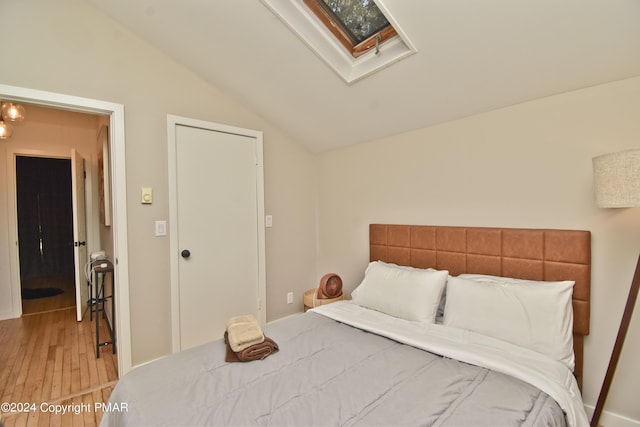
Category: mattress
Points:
column 332, row 373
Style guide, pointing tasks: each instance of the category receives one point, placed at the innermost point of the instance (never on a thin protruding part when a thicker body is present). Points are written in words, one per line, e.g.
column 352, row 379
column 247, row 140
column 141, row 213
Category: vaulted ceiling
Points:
column 472, row 56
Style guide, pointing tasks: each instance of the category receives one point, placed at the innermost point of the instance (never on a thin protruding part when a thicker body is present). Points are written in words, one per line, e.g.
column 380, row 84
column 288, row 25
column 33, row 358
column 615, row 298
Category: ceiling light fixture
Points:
column 9, row 112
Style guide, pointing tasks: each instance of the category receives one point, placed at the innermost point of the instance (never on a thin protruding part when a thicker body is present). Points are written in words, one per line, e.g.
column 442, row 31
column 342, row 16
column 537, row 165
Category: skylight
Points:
column 355, row 37
column 358, row 24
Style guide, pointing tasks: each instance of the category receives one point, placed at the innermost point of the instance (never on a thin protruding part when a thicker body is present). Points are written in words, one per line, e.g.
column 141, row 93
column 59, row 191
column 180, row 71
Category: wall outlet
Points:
column 290, row 298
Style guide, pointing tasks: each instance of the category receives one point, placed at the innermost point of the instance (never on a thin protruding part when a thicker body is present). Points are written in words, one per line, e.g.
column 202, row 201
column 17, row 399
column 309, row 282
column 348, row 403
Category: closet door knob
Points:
column 185, row 253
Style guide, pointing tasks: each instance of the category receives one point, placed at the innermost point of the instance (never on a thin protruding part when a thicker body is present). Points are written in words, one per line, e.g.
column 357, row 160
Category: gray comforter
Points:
column 325, row 374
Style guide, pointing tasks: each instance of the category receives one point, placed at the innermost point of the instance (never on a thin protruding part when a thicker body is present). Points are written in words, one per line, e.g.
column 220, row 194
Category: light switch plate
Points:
column 146, row 196
column 161, row 228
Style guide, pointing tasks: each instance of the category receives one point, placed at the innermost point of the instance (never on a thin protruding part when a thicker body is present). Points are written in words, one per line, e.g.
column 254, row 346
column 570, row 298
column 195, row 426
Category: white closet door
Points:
column 217, row 231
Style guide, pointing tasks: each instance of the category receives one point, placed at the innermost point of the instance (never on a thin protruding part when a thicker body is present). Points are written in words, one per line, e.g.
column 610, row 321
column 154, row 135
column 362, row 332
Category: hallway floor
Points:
column 49, row 358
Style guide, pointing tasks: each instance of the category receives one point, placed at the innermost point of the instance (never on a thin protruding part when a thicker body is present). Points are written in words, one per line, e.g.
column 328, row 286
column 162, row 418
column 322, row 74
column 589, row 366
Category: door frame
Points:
column 12, row 194
column 119, row 203
column 172, row 122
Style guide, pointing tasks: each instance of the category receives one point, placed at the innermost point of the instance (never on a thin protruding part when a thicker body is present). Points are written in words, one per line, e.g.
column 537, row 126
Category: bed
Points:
column 434, row 351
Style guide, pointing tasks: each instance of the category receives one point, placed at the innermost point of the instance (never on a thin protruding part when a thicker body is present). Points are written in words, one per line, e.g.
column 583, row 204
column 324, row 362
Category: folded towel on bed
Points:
column 246, row 318
column 243, row 332
column 254, row 352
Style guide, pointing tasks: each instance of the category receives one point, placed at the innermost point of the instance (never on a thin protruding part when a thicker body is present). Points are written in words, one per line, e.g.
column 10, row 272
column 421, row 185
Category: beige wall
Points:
column 524, row 166
column 71, row 48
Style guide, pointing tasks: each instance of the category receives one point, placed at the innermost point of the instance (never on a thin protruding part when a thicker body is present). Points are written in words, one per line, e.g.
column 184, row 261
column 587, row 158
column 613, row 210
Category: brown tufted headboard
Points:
column 536, row 254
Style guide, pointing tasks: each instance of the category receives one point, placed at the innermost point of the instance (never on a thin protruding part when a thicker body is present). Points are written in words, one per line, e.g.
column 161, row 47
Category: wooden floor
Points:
column 48, row 361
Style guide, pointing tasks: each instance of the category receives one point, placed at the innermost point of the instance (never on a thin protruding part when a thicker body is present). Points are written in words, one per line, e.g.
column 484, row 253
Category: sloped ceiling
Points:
column 472, row 56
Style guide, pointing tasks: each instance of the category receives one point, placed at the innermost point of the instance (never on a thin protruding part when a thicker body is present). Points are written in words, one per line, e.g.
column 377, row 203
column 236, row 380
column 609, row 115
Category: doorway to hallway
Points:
column 45, row 233
column 10, row 285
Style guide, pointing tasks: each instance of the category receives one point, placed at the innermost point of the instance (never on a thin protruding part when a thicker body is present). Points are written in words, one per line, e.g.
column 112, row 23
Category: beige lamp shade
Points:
column 617, row 179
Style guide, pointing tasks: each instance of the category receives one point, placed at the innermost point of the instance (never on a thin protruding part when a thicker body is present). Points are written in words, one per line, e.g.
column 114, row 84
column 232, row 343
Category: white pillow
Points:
column 532, row 314
column 440, row 311
column 408, row 293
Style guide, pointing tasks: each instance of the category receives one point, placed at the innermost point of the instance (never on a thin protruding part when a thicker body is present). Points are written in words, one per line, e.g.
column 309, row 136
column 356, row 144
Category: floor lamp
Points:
column 617, row 185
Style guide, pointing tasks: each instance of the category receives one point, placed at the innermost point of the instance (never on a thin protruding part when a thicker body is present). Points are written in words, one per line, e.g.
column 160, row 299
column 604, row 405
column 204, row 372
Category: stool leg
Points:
column 97, row 333
column 97, row 305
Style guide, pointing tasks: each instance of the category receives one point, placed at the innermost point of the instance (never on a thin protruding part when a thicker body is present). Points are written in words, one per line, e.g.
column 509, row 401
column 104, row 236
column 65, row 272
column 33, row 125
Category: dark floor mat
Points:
column 34, row 293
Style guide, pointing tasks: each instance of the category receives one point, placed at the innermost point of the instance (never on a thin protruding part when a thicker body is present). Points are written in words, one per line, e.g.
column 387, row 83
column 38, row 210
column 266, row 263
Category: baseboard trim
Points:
column 6, row 315
column 611, row 419
column 282, row 318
